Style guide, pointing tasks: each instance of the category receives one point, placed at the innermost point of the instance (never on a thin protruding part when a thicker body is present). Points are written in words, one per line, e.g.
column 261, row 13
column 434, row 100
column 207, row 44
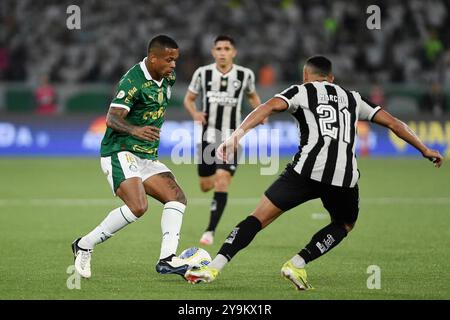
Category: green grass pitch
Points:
column 403, row 228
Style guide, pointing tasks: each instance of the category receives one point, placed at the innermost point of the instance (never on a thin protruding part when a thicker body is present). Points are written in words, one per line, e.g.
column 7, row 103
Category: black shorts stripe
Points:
column 330, row 164
column 349, row 165
column 312, row 156
column 292, row 189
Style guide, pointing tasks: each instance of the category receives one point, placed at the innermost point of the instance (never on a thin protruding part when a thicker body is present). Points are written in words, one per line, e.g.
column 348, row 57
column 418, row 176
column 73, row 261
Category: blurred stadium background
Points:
column 55, row 88
column 53, row 79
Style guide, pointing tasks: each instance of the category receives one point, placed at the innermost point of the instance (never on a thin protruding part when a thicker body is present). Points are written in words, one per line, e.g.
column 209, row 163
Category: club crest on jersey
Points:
column 120, row 94
column 237, row 84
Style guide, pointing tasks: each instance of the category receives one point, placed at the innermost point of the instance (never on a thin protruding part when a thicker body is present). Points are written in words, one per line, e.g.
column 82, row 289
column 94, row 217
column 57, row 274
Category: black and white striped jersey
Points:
column 222, row 96
column 327, row 116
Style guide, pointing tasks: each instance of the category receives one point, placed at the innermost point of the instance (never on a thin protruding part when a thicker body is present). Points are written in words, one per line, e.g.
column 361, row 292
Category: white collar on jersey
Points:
column 147, row 74
column 225, row 74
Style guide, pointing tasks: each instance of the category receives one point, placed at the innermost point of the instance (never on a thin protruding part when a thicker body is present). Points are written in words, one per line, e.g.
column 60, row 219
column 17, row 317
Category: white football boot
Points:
column 82, row 259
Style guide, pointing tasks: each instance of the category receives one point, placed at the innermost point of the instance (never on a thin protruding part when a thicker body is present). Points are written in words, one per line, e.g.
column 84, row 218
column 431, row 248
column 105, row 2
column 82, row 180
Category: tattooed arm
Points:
column 115, row 120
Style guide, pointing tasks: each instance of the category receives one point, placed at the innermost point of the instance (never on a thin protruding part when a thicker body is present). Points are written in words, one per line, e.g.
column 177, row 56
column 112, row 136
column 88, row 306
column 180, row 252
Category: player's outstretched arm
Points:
column 406, row 133
column 255, row 118
column 255, row 101
column 115, row 119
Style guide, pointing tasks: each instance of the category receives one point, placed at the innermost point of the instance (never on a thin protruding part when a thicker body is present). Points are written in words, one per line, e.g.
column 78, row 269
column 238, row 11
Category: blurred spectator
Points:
column 377, row 96
column 434, row 101
column 266, row 75
column 408, row 48
column 433, row 47
column 4, row 62
column 45, row 97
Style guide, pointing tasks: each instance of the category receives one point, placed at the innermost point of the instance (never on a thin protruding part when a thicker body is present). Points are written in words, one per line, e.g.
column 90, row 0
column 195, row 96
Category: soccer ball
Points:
column 195, row 257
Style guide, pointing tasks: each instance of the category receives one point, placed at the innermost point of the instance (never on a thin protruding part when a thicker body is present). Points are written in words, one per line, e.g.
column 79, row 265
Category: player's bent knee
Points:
column 206, row 186
column 181, row 197
column 221, row 184
column 138, row 209
column 349, row 226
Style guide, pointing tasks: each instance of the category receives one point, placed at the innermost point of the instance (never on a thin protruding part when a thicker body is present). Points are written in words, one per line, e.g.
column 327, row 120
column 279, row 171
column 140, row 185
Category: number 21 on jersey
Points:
column 328, row 119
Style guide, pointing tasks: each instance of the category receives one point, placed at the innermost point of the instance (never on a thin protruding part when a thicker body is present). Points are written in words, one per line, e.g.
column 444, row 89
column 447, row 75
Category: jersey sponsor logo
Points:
column 142, row 149
column 133, row 168
column 147, row 84
column 221, row 97
column 120, row 94
column 154, row 114
column 131, row 93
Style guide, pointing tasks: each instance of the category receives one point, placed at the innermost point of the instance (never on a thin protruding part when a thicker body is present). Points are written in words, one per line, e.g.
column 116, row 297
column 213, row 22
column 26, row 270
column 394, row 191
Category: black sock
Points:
column 217, row 207
column 240, row 237
column 323, row 241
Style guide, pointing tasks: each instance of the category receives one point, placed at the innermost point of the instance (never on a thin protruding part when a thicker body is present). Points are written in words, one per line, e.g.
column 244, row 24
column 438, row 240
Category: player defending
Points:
column 129, row 158
column 222, row 85
column 325, row 167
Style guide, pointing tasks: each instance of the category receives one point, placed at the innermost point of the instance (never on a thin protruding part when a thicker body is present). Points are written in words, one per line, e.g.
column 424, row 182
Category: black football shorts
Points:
column 292, row 189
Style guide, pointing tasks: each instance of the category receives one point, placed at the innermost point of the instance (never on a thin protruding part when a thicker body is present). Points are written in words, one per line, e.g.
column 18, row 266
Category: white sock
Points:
column 298, row 261
column 116, row 220
column 171, row 220
column 218, row 262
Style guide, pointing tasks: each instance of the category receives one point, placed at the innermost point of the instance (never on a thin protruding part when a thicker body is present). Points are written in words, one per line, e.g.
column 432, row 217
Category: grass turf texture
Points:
column 403, row 228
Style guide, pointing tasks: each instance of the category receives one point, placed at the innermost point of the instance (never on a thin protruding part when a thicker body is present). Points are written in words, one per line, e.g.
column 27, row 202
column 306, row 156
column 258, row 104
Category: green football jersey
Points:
column 146, row 100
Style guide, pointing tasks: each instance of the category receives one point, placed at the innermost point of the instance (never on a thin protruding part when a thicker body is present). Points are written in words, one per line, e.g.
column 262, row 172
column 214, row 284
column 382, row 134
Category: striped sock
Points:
column 116, row 220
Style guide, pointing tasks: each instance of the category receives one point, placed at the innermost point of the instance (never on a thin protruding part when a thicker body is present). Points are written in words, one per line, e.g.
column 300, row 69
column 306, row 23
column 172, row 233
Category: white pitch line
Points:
column 83, row 202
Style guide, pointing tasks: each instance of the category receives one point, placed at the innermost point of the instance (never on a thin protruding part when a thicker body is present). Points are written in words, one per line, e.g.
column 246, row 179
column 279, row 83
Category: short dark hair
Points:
column 162, row 42
column 320, row 65
column 223, row 37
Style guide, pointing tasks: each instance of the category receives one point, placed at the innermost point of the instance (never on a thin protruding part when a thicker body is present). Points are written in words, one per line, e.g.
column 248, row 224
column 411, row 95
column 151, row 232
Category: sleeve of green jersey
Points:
column 126, row 94
column 172, row 78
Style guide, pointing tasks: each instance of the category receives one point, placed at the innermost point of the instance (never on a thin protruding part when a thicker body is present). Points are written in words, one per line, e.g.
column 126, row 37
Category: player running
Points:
column 325, row 167
column 222, row 86
column 129, row 158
